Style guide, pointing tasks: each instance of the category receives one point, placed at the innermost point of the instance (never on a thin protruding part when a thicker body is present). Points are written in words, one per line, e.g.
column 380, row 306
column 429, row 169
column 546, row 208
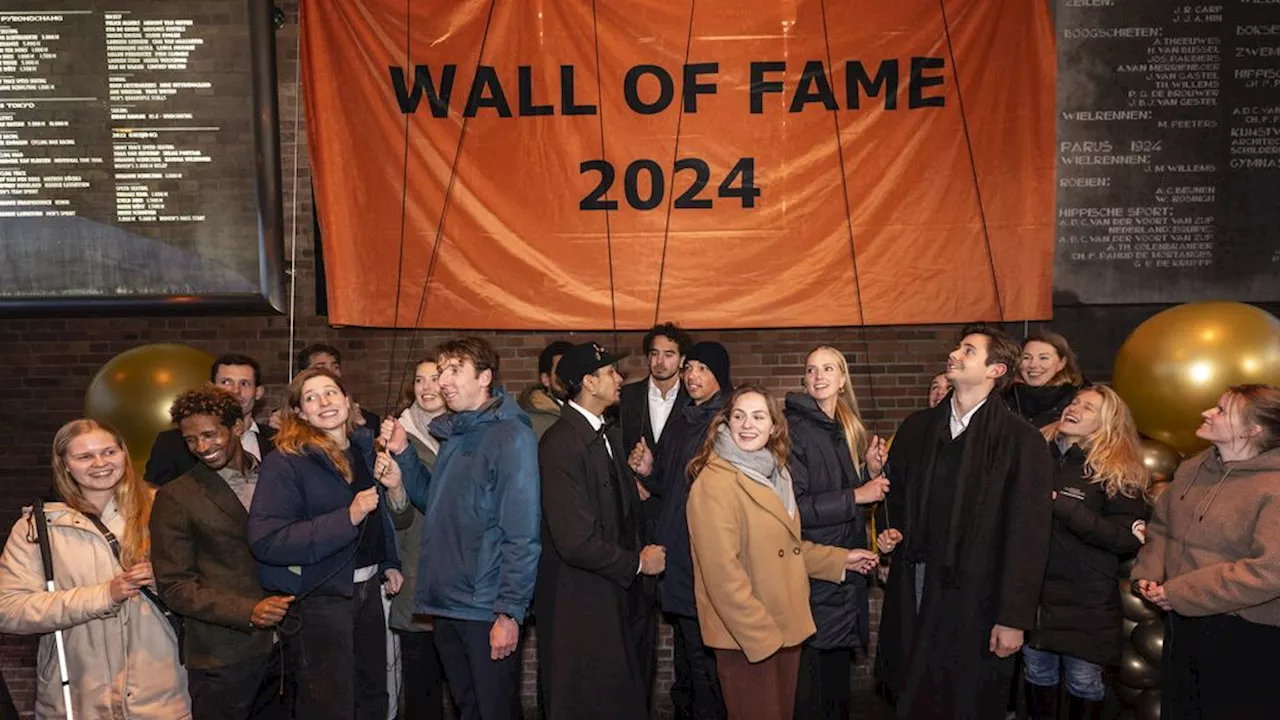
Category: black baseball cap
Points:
column 581, row 360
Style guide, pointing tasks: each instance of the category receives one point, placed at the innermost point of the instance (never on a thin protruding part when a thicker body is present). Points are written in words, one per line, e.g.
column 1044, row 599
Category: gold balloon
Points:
column 1148, row 639
column 1177, row 363
column 1136, row 671
column 133, row 391
column 1160, row 460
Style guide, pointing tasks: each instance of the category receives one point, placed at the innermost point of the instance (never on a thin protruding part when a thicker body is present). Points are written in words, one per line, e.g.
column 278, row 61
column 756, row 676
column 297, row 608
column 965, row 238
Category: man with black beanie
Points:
column 695, row 694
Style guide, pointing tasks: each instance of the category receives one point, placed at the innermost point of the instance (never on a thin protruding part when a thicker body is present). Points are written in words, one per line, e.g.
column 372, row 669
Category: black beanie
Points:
column 714, row 356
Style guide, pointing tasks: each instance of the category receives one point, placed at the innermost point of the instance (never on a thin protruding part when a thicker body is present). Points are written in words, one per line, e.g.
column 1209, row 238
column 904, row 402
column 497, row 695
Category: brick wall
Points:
column 48, row 362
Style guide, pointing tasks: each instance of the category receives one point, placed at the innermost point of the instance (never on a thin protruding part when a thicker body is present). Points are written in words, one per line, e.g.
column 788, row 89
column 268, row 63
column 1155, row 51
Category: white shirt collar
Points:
column 960, row 423
column 596, row 421
column 253, row 427
column 655, row 393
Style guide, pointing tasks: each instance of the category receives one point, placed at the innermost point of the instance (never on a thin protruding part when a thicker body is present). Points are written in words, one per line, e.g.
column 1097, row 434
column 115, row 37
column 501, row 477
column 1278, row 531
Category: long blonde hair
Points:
column 296, row 434
column 132, row 495
column 1113, row 455
column 847, row 413
column 779, row 444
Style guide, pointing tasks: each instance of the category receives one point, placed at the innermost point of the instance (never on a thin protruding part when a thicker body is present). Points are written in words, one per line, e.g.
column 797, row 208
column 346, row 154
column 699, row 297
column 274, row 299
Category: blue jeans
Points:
column 1084, row 679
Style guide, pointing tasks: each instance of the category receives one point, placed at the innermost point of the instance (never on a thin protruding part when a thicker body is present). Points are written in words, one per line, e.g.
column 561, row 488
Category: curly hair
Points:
column 208, row 400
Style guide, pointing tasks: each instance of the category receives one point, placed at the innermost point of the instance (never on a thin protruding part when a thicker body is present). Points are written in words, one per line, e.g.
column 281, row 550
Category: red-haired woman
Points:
column 1048, row 378
column 1212, row 560
column 321, row 532
column 1100, row 488
column 751, row 565
column 122, row 654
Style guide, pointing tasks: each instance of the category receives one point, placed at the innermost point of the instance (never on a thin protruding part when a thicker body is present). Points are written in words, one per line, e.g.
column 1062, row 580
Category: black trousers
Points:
column 247, row 690
column 340, row 655
column 1218, row 667
column 422, row 677
column 826, row 681
column 482, row 689
column 695, row 692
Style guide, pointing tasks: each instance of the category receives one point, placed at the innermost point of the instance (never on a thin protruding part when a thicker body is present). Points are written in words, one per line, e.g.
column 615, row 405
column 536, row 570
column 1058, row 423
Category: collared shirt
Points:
column 596, row 421
column 241, row 483
column 660, row 407
column 249, row 441
column 961, row 423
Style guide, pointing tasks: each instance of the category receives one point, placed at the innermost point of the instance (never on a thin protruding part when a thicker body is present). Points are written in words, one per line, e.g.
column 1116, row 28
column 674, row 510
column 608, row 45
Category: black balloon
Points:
column 1136, row 671
column 1127, row 627
column 1148, row 638
column 1148, row 705
column 1128, row 695
column 1135, row 608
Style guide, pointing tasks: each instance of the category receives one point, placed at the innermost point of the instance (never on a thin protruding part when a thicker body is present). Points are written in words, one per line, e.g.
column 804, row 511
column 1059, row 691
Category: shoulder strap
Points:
column 110, row 536
column 115, row 550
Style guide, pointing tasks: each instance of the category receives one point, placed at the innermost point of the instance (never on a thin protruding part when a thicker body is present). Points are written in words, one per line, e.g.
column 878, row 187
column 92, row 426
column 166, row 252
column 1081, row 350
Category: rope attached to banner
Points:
column 604, row 154
column 973, row 164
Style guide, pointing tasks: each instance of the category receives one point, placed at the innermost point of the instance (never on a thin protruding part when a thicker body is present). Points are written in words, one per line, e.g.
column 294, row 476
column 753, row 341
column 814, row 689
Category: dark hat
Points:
column 715, row 357
column 584, row 359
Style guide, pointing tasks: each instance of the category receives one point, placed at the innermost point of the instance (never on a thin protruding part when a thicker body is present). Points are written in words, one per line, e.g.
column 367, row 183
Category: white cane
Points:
column 46, row 553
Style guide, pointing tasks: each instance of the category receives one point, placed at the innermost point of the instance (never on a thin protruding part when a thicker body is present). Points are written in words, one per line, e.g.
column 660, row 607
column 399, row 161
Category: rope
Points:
column 608, row 232
column 293, row 234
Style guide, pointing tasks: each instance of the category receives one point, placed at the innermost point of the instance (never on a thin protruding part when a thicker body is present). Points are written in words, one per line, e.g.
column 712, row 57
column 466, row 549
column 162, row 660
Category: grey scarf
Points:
column 758, row 465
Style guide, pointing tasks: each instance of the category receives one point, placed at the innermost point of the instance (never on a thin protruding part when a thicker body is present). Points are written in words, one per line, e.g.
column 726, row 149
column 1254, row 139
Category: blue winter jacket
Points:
column 300, row 527
column 480, row 534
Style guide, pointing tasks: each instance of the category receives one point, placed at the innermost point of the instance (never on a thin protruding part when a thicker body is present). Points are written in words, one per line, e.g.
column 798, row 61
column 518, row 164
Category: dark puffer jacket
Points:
column 829, row 516
column 1079, row 613
column 684, row 434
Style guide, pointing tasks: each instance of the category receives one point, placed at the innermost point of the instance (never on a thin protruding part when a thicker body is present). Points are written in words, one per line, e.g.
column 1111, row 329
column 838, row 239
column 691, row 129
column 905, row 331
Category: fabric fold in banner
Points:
column 752, row 164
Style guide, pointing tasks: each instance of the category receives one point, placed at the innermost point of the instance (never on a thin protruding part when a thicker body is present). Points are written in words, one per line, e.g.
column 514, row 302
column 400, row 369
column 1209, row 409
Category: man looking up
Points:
column 971, row 509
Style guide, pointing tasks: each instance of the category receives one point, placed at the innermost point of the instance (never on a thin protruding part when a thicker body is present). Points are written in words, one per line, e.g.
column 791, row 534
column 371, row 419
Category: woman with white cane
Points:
column 121, row 653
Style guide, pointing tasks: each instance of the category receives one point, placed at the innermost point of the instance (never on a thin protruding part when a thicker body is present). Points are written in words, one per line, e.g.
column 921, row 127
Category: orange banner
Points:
column 722, row 163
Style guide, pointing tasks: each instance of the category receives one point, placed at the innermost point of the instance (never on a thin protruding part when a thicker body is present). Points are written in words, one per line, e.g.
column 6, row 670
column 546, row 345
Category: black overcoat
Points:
column 829, row 516
column 587, row 594
column 937, row 661
column 1079, row 612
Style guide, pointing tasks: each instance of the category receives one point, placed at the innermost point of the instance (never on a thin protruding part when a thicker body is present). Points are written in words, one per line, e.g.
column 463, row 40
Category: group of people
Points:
column 280, row 569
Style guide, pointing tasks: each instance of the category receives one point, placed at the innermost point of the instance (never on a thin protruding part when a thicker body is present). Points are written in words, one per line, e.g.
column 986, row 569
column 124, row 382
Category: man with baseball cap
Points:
column 588, row 592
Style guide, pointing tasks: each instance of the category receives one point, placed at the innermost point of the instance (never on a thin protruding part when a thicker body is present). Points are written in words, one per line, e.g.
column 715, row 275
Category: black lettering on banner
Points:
column 693, row 88
column 666, row 91
column 886, row 80
column 688, row 199
column 742, row 173
column 745, row 169
column 487, row 78
column 568, row 104
column 593, row 200
column 760, row 86
column 920, row 81
column 527, row 108
column 422, row 82
column 657, row 187
column 814, row 75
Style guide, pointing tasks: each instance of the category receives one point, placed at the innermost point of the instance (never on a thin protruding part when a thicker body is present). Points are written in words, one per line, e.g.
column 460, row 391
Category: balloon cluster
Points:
column 1138, row 683
column 1169, row 370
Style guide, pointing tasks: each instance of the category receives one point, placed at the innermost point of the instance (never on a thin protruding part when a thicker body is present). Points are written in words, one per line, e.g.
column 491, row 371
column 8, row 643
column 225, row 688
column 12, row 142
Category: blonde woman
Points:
column 122, row 654
column 750, row 564
column 842, row 470
column 1099, row 503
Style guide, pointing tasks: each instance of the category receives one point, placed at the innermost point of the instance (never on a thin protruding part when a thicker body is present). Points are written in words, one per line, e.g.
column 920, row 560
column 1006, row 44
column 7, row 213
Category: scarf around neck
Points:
column 760, row 466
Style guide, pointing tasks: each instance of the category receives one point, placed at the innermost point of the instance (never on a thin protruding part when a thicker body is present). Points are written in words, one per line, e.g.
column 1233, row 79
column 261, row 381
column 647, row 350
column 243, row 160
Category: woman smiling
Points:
column 321, row 532
column 751, row 565
column 1048, row 378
